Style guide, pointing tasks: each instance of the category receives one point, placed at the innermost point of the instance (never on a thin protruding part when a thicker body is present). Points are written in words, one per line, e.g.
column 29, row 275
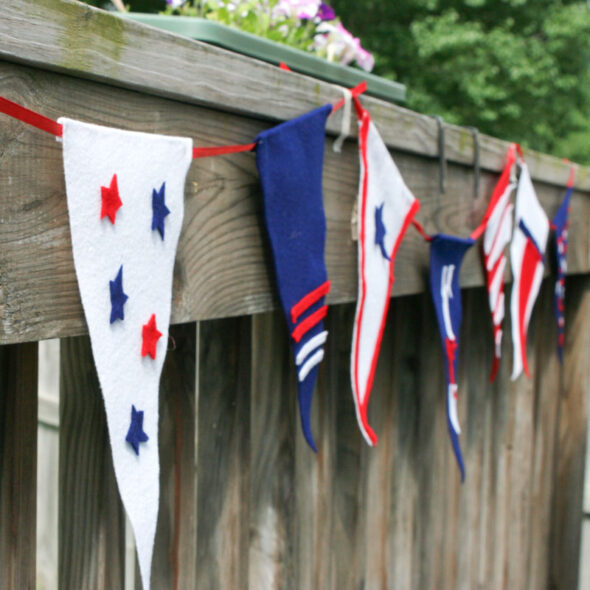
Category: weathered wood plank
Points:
column 272, row 456
column 223, row 266
column 79, row 40
column 91, row 521
column 547, row 379
column 573, row 424
column 422, row 432
column 474, row 393
column 223, row 455
column 18, row 466
column 314, row 484
column 173, row 564
column 346, row 484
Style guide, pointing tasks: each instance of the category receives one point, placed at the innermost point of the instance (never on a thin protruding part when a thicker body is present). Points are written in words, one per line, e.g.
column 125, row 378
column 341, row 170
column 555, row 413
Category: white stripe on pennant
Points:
column 502, row 237
column 310, row 363
column 310, row 346
column 496, row 220
column 499, row 311
column 496, row 284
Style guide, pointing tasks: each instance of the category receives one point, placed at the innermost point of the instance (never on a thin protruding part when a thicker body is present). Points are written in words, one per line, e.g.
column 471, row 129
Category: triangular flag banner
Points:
column 386, row 207
column 527, row 257
column 561, row 225
column 497, row 234
column 125, row 193
column 290, row 160
column 446, row 256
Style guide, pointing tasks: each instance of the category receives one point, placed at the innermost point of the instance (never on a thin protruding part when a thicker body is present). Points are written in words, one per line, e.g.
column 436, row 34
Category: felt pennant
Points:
column 290, row 159
column 561, row 225
column 125, row 194
column 498, row 231
column 527, row 257
column 386, row 208
column 446, row 256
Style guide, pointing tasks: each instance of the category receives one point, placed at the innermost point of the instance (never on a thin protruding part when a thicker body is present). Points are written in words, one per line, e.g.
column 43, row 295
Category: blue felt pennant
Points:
column 561, row 225
column 290, row 160
column 446, row 256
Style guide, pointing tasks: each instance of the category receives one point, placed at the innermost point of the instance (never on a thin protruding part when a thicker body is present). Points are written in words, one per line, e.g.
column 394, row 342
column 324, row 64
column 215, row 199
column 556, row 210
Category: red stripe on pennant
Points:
column 531, row 258
column 309, row 322
column 17, row 111
column 306, row 302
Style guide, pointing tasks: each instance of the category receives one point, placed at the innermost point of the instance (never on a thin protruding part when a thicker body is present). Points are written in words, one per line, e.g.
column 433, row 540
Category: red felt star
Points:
column 111, row 201
column 150, row 335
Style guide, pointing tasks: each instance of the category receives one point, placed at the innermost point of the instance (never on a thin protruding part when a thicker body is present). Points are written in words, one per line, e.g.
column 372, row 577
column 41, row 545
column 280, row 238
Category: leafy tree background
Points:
column 515, row 69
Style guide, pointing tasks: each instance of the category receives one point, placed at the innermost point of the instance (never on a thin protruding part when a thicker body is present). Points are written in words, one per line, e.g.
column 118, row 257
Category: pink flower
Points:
column 325, row 12
column 302, row 9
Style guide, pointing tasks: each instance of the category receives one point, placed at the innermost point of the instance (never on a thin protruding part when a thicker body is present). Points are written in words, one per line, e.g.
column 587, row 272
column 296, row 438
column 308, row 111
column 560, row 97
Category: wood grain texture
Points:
column 91, row 517
column 173, row 564
column 572, row 429
column 18, row 466
column 347, row 483
column 76, row 39
column 223, row 265
column 272, row 504
column 223, row 455
column 547, row 379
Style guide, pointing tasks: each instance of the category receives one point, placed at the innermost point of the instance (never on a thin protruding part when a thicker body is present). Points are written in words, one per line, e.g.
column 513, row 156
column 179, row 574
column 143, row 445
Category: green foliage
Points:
column 517, row 69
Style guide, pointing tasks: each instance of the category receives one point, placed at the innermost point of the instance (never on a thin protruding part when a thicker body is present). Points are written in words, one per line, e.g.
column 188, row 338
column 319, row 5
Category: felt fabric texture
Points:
column 386, row 208
column 496, row 236
column 527, row 258
column 290, row 161
column 446, row 256
column 141, row 162
column 561, row 225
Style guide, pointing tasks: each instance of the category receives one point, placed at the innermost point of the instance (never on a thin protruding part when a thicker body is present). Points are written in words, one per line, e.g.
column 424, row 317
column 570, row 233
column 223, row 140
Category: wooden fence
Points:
column 244, row 503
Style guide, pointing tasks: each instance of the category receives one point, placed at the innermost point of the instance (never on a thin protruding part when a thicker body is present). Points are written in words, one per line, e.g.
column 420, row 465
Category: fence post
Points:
column 18, row 465
column 573, row 423
column 91, row 519
column 173, row 565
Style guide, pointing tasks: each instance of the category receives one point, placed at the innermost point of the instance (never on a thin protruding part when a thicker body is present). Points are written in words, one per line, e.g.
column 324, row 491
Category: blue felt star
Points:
column 118, row 297
column 160, row 209
column 136, row 435
column 380, row 231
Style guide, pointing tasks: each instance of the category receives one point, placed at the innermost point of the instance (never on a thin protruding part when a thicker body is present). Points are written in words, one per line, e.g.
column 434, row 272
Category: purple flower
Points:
column 325, row 12
column 175, row 3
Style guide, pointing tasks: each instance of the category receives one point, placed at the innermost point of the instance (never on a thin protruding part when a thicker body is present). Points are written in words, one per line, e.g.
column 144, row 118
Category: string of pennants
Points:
column 125, row 195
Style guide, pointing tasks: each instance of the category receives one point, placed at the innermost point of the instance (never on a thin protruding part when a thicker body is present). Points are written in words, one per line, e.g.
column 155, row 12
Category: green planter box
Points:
column 263, row 49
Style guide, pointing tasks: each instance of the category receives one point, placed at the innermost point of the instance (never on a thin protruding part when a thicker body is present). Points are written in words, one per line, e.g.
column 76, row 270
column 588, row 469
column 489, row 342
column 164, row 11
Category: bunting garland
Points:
column 125, row 204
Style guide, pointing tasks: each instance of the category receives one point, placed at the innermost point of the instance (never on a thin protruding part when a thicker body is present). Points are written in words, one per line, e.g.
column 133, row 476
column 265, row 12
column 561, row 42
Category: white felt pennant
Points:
column 386, row 207
column 125, row 193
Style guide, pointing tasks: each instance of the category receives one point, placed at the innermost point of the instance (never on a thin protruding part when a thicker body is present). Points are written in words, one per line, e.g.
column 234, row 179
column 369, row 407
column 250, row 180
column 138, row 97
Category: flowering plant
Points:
column 310, row 25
